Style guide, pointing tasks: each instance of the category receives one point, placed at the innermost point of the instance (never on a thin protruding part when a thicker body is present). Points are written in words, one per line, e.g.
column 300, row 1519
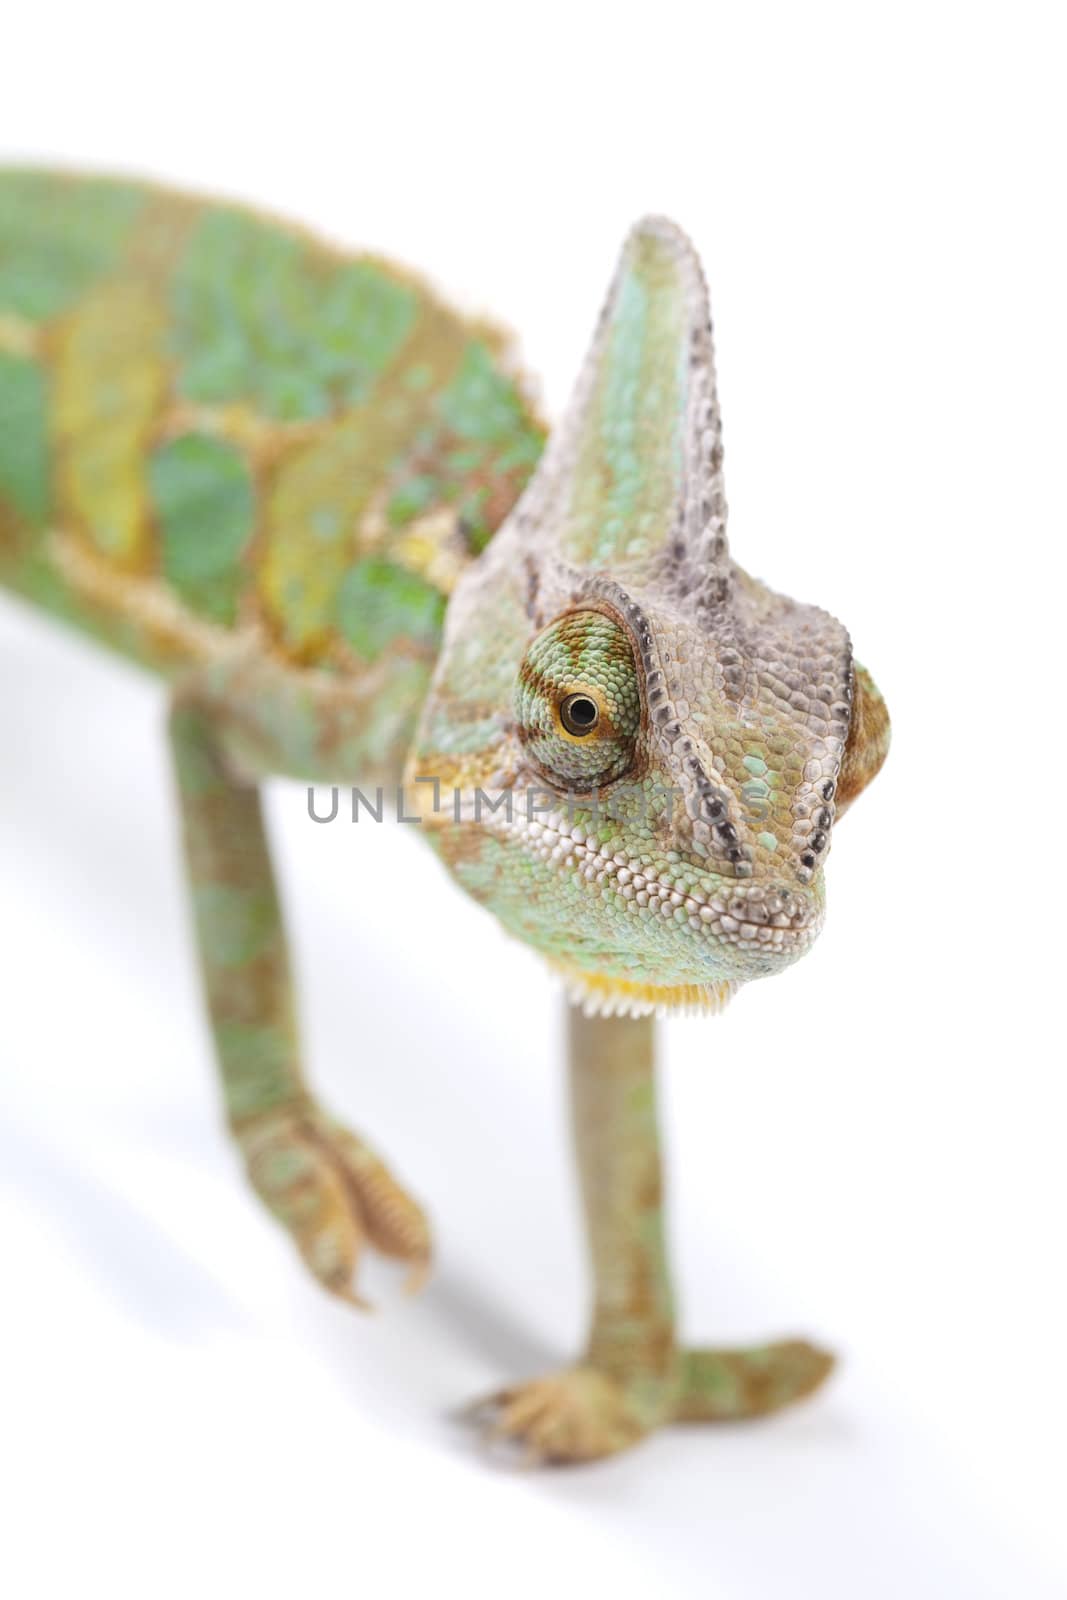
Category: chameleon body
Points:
column 319, row 502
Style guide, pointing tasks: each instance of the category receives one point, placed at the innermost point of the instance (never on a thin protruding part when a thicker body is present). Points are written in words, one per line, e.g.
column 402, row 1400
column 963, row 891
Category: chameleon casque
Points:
column 316, row 500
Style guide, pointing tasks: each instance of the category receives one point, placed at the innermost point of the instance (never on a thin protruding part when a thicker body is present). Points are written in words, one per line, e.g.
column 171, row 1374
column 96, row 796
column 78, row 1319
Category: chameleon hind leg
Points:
column 322, row 1183
column 633, row 1377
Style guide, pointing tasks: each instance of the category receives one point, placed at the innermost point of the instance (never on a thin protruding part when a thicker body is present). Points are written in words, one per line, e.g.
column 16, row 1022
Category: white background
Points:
column 870, row 1148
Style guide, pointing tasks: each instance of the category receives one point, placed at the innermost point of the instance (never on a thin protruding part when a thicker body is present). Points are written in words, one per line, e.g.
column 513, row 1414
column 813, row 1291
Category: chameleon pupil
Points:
column 579, row 714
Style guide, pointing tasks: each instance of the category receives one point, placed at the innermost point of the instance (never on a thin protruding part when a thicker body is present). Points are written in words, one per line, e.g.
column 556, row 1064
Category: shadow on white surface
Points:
column 146, row 1270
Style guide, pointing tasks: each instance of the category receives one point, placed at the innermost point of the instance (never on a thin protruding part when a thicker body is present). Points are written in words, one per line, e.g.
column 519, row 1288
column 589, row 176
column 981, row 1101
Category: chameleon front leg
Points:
column 629, row 1379
column 320, row 1181
column 633, row 1376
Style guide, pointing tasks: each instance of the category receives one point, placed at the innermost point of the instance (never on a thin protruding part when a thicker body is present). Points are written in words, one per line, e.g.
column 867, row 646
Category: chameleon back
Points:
column 212, row 425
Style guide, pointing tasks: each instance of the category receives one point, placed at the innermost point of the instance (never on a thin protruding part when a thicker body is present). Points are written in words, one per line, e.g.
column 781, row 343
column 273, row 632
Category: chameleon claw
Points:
column 358, row 1301
column 482, row 1413
column 579, row 1414
column 335, row 1198
column 416, row 1278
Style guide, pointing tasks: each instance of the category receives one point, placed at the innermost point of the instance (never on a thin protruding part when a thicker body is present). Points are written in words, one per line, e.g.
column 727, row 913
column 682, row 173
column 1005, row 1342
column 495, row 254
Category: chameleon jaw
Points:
column 663, row 935
column 756, row 927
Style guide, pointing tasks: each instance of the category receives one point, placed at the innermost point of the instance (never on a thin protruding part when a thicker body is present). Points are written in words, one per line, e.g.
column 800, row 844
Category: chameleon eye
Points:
column 577, row 701
column 579, row 714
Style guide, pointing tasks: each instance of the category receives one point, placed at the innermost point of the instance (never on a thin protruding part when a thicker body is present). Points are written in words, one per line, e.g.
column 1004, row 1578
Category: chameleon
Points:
column 322, row 505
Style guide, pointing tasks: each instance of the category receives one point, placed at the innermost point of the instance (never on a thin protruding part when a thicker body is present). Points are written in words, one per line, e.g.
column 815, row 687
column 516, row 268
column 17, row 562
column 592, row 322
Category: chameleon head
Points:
column 631, row 752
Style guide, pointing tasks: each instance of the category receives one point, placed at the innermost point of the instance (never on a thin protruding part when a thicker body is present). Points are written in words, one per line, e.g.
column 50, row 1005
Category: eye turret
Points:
column 578, row 701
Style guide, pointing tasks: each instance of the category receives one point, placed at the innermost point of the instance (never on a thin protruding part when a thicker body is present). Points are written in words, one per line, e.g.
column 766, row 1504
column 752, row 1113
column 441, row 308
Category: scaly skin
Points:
column 632, row 1376
column 264, row 469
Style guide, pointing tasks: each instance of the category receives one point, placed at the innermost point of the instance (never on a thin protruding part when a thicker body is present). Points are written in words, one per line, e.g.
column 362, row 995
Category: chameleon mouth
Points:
column 765, row 920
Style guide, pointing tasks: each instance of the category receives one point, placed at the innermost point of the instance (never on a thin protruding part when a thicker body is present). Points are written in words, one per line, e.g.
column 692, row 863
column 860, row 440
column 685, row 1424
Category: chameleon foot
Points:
column 579, row 1414
column 728, row 1385
column 334, row 1196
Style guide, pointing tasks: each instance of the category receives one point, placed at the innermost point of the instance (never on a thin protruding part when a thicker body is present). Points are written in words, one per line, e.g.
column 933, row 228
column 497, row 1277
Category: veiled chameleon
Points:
column 314, row 498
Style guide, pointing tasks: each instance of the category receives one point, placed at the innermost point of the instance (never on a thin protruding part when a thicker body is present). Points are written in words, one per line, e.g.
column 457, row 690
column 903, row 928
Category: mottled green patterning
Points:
column 315, row 497
column 257, row 429
column 256, row 320
column 204, row 498
column 632, row 455
column 58, row 236
column 24, row 481
column 376, row 595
